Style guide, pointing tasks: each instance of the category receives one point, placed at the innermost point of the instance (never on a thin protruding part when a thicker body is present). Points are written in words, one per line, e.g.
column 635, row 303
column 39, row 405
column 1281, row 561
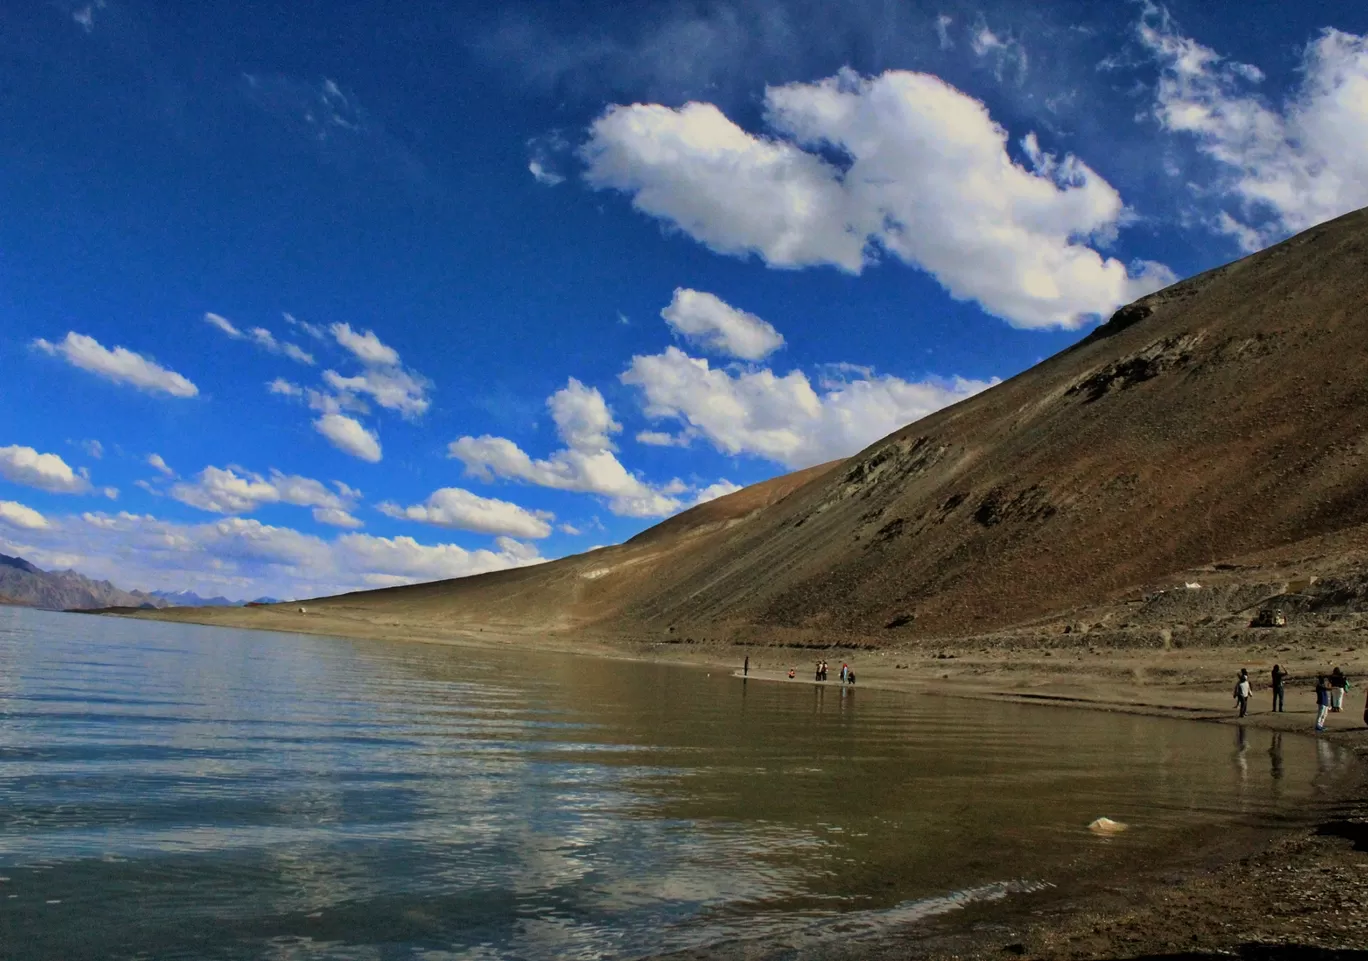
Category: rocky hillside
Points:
column 1221, row 419
column 23, row 584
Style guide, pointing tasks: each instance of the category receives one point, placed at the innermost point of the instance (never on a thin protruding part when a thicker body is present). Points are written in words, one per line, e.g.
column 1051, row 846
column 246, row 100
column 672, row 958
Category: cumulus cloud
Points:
column 709, row 322
column 460, row 509
column 226, row 491
column 120, row 365
column 582, row 417
column 785, row 418
column 47, row 472
column 367, row 347
column 336, row 517
column 384, row 378
column 925, row 177
column 713, row 491
column 587, row 464
column 21, row 517
column 348, row 435
column 391, row 387
column 285, row 388
column 1290, row 165
column 246, row 558
column 155, row 461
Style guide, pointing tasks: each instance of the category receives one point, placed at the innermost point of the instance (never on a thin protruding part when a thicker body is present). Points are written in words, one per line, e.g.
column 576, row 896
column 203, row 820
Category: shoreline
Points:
column 1280, row 893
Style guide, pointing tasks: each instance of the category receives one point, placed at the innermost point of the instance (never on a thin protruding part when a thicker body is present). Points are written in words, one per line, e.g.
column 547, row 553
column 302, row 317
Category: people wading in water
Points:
column 1279, row 676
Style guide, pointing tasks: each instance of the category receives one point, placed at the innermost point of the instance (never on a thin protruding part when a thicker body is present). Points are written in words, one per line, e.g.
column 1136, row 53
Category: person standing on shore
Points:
column 745, row 668
column 1279, row 676
column 1338, row 685
column 1322, row 701
column 1243, row 691
column 844, row 670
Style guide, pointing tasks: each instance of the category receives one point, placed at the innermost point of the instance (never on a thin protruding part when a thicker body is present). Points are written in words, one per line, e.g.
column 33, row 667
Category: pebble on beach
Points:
column 1107, row 826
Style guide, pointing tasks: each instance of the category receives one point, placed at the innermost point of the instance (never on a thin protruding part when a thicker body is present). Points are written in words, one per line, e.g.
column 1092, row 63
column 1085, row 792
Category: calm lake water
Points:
column 180, row 792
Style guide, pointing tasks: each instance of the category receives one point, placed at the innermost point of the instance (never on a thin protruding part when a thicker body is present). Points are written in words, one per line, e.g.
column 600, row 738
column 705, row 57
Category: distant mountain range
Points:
column 191, row 599
column 26, row 585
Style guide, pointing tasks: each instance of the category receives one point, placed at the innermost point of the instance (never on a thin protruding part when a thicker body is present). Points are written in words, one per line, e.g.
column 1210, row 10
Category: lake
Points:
column 174, row 791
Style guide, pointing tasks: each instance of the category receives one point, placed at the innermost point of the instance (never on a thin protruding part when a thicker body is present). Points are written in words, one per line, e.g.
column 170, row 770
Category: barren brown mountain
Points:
column 1222, row 417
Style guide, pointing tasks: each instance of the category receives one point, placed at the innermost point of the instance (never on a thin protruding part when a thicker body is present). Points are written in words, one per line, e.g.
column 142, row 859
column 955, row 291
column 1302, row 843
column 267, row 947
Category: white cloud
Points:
column 929, row 180
column 155, row 461
column 783, row 418
column 297, row 353
column 336, row 517
column 713, row 491
column 384, row 378
column 586, row 465
column 225, row 491
column 367, row 347
column 588, row 473
column 582, row 417
column 570, row 529
column 1290, row 166
column 282, row 386
column 47, row 472
column 1002, row 52
column 462, row 510
column 660, row 438
column 111, row 492
column 266, row 340
column 943, row 23
column 542, row 175
column 347, row 434
column 245, row 558
column 391, row 387
column 224, row 324
column 93, row 448
column 711, row 323
column 119, row 365
column 262, row 337
column 21, row 517
column 313, row 330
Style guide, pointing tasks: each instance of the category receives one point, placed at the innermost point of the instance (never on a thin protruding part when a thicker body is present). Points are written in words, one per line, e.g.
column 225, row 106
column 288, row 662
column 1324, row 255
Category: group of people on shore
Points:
column 847, row 674
column 1330, row 691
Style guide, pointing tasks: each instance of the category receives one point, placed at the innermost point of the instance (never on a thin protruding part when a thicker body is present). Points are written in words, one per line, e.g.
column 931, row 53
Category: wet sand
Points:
column 1301, row 894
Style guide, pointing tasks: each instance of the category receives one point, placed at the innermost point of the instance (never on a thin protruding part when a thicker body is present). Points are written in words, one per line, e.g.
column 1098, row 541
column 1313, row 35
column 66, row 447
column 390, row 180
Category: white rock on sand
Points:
column 1107, row 826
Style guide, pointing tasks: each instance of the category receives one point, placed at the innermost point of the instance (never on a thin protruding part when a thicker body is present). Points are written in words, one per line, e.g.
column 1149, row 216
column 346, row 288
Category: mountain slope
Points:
column 23, row 584
column 1224, row 416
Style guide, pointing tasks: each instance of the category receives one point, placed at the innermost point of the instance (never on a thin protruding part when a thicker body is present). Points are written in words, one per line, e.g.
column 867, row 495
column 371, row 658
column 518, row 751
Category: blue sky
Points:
column 310, row 297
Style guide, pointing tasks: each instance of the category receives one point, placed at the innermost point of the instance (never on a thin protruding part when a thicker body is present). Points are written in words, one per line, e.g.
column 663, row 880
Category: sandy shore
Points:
column 1304, row 894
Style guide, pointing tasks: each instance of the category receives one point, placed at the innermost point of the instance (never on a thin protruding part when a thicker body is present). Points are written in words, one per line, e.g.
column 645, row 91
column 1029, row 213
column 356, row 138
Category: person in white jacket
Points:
column 1243, row 691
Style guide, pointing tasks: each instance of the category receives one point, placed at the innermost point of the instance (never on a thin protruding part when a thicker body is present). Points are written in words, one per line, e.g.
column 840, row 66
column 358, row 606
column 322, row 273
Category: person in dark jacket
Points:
column 1338, row 685
column 1279, row 677
column 1322, row 701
